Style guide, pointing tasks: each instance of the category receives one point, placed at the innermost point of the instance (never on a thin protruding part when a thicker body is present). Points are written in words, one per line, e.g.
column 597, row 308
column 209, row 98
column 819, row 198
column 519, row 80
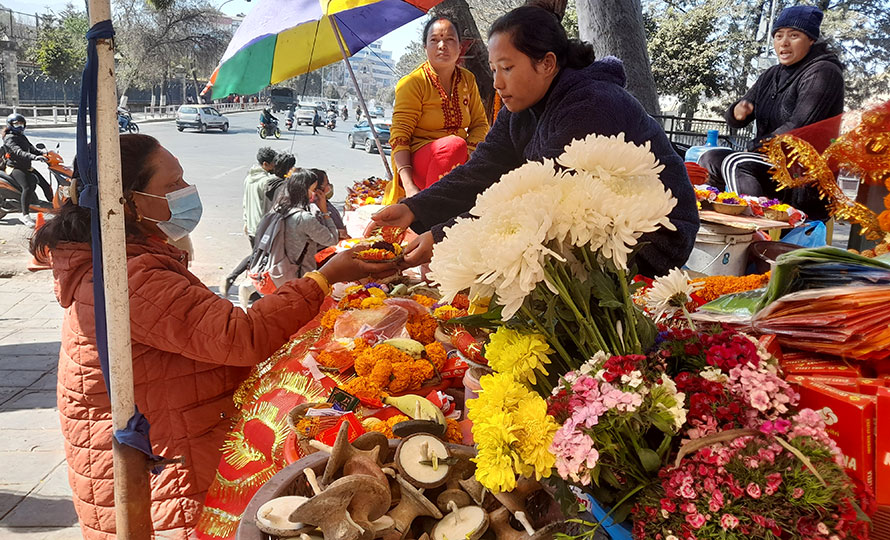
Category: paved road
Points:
column 217, row 162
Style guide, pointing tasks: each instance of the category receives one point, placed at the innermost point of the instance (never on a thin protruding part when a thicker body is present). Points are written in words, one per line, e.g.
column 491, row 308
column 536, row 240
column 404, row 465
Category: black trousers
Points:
column 27, row 182
column 242, row 266
column 748, row 173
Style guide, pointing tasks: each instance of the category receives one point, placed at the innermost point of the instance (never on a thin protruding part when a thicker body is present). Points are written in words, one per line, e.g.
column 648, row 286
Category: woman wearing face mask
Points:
column 438, row 118
column 191, row 348
column 553, row 93
column 326, row 190
column 806, row 86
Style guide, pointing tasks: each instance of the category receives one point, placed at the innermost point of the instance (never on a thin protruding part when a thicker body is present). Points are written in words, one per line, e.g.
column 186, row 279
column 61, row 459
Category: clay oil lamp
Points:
column 422, row 460
column 503, row 530
column 467, row 523
column 343, row 451
column 274, row 517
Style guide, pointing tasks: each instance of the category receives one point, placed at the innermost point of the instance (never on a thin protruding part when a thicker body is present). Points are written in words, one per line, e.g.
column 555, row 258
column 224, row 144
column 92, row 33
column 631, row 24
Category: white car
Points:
column 200, row 117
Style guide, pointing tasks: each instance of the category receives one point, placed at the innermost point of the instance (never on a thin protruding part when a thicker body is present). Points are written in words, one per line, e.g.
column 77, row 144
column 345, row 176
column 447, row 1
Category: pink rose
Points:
column 667, row 504
column 729, row 522
column 773, row 481
column 753, row 490
column 797, row 493
column 686, row 491
column 696, row 520
column 716, row 501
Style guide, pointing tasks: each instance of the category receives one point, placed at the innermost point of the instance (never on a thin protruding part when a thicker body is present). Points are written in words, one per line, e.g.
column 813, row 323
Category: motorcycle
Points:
column 332, row 121
column 289, row 123
column 264, row 130
column 125, row 123
column 11, row 195
column 345, row 114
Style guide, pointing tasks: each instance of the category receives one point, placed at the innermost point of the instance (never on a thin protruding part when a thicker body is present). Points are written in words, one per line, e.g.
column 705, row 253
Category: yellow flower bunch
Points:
column 446, row 312
column 372, row 302
column 424, row 300
column 330, row 317
column 521, row 355
column 512, row 431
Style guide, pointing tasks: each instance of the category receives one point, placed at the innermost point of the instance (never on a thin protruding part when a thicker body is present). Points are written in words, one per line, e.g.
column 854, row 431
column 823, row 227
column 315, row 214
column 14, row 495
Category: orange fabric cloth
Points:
column 191, row 350
column 437, row 159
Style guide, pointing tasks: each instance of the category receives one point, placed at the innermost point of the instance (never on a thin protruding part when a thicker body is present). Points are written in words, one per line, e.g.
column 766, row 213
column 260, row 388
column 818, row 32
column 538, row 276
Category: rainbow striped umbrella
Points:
column 281, row 39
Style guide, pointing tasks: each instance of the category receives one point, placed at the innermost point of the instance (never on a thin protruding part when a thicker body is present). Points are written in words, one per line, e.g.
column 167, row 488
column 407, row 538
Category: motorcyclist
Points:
column 267, row 119
column 290, row 117
column 19, row 155
column 345, row 112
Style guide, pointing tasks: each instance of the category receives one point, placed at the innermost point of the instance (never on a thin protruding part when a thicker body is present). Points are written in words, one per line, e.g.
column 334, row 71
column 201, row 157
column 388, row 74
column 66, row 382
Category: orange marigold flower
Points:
column 884, row 220
column 380, row 372
column 421, row 371
column 422, row 328
column 435, row 351
column 330, row 317
column 716, row 286
column 335, row 358
column 452, row 432
column 424, row 300
column 385, row 426
column 363, row 387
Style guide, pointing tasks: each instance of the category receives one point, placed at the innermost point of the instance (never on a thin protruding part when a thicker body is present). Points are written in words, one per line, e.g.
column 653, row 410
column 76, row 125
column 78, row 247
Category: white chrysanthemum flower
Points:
column 670, row 293
column 612, row 156
column 503, row 249
column 533, row 178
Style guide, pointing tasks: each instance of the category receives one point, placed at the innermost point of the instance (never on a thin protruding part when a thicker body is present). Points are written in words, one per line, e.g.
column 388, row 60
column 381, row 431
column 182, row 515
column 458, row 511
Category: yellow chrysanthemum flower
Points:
column 499, row 393
column 377, row 293
column 518, row 354
column 534, row 436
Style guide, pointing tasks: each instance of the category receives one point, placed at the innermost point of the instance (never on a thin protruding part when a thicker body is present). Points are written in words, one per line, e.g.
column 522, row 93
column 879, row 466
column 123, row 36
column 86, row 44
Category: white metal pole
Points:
column 131, row 486
column 361, row 98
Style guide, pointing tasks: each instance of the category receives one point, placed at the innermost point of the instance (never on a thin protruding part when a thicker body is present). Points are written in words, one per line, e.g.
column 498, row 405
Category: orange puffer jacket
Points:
column 191, row 349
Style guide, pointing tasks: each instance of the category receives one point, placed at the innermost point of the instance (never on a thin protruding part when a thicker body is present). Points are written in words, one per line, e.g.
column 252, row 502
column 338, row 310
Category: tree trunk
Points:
column 475, row 58
column 615, row 27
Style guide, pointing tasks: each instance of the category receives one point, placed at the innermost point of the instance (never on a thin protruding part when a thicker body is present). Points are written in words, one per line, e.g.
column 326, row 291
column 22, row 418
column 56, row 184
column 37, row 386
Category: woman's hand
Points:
column 396, row 215
column 321, row 201
column 742, row 110
column 344, row 267
column 419, row 251
column 407, row 179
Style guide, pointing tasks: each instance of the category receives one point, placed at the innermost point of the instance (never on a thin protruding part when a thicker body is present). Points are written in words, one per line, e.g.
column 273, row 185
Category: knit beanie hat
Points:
column 804, row 18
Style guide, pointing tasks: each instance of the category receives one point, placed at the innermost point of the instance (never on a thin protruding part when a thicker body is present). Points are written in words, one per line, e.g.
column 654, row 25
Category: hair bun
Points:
column 556, row 7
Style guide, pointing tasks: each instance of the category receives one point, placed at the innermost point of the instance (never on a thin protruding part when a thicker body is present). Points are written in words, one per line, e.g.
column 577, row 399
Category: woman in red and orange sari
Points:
column 438, row 116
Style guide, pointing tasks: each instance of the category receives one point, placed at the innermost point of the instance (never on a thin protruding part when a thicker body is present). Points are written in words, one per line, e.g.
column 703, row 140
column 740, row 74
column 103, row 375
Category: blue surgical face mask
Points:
column 185, row 212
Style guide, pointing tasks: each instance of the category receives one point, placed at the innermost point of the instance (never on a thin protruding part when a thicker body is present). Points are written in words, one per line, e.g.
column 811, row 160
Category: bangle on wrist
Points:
column 321, row 280
column 399, row 169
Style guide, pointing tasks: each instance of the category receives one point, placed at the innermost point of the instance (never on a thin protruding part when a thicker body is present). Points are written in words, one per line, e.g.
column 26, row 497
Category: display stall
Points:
column 542, row 388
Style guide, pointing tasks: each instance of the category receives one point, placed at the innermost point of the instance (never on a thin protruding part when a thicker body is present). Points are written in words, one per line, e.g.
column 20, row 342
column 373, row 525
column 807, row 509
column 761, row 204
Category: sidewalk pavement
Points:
column 35, row 499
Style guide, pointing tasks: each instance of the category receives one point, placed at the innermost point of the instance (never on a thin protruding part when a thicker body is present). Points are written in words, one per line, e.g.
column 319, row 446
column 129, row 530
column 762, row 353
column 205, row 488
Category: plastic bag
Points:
column 810, row 234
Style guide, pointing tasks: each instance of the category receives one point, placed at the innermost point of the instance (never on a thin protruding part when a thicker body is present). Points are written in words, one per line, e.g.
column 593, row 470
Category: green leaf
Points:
column 650, row 460
column 611, row 304
column 609, row 477
column 489, row 319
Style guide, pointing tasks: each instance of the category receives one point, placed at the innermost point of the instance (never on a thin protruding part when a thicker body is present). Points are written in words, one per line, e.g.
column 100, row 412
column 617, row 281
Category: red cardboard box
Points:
column 869, row 386
column 850, row 421
column 882, row 448
column 821, row 367
column 848, row 384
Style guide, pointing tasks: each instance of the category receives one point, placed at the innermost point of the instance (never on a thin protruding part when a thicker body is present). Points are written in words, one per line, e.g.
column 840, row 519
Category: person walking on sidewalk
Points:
column 254, row 204
column 191, row 348
column 20, row 154
column 316, row 121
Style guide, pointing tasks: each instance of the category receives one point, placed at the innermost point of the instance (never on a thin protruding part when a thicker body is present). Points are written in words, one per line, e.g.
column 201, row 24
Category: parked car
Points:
column 200, row 117
column 361, row 136
column 376, row 112
column 304, row 115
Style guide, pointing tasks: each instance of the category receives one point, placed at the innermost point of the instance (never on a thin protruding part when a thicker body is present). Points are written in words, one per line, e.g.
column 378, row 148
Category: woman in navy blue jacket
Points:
column 553, row 93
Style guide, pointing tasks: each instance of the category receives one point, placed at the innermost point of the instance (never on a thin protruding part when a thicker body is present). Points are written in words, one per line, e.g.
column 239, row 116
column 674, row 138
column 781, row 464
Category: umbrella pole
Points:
column 361, row 99
column 132, row 493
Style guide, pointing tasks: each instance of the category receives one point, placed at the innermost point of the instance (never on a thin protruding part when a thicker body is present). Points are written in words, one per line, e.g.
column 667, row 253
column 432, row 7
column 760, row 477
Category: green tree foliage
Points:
column 60, row 49
column 414, row 55
column 684, row 51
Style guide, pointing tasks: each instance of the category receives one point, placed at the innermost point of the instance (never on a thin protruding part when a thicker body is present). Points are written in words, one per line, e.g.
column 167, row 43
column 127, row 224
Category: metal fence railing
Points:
column 685, row 132
column 58, row 114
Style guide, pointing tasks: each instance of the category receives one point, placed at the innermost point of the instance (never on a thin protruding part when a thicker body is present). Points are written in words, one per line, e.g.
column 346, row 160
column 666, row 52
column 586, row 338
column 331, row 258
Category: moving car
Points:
column 200, row 117
column 361, row 136
column 304, row 115
column 376, row 112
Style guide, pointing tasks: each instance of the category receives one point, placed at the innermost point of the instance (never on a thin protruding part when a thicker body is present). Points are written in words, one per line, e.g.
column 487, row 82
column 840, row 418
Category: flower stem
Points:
column 688, row 318
column 593, row 334
column 632, row 337
column 564, row 358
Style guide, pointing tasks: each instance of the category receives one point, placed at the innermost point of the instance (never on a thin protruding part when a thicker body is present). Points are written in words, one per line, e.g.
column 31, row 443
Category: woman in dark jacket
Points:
column 553, row 93
column 19, row 155
column 806, row 86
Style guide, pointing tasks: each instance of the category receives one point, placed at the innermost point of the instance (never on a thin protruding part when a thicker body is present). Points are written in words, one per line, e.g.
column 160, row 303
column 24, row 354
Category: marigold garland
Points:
column 385, row 426
column 453, row 433
column 424, row 300
column 716, row 286
column 436, row 354
column 422, row 328
column 330, row 317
